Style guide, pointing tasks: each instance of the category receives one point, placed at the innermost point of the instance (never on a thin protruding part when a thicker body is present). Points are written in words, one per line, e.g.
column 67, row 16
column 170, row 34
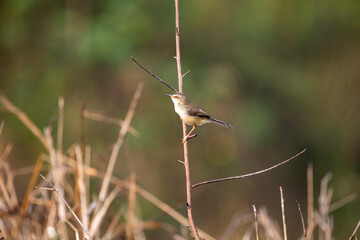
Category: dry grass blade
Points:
column 60, row 130
column 355, row 230
column 110, row 120
column 310, row 200
column 113, row 225
column 23, row 118
column 146, row 195
column 77, row 237
column 68, row 206
column 342, row 202
column 256, row 223
column 238, row 218
column 119, row 142
column 131, row 207
column 2, row 126
column 30, row 188
column 271, row 228
column 81, row 186
column 100, row 215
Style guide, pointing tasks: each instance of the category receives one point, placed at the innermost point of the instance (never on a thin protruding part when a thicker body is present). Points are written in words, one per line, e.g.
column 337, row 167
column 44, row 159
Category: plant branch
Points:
column 249, row 174
column 149, row 72
column 185, row 145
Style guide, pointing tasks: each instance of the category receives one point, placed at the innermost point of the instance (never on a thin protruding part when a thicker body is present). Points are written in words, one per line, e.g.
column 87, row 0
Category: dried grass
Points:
column 60, row 206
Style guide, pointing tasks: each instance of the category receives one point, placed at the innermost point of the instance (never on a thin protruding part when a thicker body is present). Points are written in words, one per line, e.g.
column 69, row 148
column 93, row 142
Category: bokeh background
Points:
column 285, row 74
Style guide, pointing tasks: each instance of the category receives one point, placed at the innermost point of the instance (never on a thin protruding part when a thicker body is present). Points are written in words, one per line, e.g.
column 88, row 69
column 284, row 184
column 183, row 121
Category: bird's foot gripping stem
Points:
column 188, row 137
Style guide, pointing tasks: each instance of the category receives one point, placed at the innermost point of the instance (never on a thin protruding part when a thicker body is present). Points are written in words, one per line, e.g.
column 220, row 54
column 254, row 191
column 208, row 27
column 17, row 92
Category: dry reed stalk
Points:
column 97, row 219
column 30, row 188
column 310, row 200
column 119, row 142
column 86, row 165
column 110, row 120
column 256, row 223
column 342, row 202
column 237, row 219
column 322, row 218
column 283, row 213
column 271, row 228
column 109, row 234
column 131, row 207
column 9, row 106
column 81, row 186
column 93, row 172
column 1, row 128
column 354, row 232
column 67, row 205
column 57, row 175
column 77, row 237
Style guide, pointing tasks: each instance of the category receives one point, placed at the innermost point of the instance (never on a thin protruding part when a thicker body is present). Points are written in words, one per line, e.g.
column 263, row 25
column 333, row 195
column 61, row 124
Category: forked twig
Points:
column 149, row 72
column 68, row 206
column 249, row 174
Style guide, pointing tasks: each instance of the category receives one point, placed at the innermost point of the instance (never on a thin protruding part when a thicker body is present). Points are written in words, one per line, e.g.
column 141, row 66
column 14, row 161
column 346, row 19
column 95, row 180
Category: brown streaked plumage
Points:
column 192, row 114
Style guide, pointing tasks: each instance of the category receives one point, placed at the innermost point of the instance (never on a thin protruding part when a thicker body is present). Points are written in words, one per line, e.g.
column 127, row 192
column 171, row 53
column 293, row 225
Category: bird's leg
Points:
column 188, row 135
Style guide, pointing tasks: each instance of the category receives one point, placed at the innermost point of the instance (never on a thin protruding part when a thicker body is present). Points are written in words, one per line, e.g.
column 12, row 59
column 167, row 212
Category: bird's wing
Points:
column 195, row 110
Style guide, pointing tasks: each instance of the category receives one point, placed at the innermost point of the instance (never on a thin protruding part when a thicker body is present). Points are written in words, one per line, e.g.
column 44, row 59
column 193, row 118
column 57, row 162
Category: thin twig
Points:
column 149, row 72
column 185, row 73
column 185, row 145
column 256, row 223
column 68, row 206
column 249, row 174
column 302, row 218
column 283, row 213
column 355, row 230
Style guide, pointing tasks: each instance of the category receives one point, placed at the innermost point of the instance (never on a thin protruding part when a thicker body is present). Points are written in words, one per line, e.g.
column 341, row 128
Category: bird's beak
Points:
column 169, row 95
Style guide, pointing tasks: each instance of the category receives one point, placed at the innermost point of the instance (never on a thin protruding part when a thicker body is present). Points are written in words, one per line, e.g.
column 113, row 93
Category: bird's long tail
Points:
column 221, row 123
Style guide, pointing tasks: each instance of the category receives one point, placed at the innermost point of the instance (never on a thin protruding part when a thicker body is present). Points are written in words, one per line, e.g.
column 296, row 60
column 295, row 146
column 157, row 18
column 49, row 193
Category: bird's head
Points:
column 177, row 98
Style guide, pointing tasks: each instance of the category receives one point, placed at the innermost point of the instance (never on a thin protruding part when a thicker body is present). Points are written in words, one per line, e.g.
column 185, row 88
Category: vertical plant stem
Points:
column 283, row 213
column 310, row 200
column 186, row 152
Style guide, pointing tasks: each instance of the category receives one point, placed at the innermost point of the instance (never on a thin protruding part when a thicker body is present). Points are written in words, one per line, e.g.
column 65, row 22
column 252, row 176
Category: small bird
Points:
column 192, row 114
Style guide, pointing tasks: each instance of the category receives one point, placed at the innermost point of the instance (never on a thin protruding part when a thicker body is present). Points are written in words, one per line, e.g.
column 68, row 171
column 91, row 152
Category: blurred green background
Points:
column 285, row 73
